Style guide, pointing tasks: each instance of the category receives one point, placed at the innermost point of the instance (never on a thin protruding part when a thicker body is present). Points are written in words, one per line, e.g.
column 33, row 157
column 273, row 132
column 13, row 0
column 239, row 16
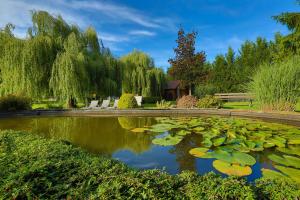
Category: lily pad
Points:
column 294, row 150
column 219, row 141
column 271, row 174
column 167, row 141
column 243, row 158
column 198, row 129
column 139, row 130
column 183, row 132
column 286, row 160
column 231, row 169
column 295, row 139
column 198, row 152
column 291, row 172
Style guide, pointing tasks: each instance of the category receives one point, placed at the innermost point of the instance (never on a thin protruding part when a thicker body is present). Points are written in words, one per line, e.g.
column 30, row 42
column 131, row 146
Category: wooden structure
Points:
column 235, row 96
column 173, row 90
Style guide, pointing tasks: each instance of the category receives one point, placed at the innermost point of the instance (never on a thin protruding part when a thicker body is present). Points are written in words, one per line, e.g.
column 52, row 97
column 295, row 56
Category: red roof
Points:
column 172, row 85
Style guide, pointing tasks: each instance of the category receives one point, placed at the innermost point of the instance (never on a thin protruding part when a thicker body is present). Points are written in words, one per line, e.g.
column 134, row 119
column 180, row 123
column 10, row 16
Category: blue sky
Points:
column 152, row 25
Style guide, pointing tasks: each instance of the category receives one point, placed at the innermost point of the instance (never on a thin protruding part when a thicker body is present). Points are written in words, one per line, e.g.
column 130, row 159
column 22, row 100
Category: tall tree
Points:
column 69, row 78
column 187, row 66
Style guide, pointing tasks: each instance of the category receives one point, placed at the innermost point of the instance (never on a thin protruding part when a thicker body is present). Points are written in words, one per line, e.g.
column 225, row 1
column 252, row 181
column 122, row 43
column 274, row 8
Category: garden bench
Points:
column 235, row 96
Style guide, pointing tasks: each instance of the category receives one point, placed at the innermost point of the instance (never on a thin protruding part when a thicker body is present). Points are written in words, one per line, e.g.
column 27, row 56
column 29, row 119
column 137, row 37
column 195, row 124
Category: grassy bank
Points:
column 35, row 168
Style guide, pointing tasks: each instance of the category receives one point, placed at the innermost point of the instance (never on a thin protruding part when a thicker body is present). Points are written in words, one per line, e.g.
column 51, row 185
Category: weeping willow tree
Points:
column 69, row 78
column 56, row 60
column 140, row 76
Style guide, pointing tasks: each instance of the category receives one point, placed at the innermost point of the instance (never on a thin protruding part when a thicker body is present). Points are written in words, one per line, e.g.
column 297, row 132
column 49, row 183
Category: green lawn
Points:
column 246, row 106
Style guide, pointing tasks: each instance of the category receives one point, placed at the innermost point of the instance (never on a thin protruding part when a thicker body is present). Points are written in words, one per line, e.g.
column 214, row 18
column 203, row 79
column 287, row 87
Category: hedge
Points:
column 32, row 167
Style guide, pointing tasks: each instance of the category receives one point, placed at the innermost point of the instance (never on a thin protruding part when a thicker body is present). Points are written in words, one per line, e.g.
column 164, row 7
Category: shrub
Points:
column 127, row 101
column 163, row 104
column 209, row 102
column 14, row 103
column 277, row 86
column 276, row 189
column 187, row 101
column 151, row 99
column 203, row 90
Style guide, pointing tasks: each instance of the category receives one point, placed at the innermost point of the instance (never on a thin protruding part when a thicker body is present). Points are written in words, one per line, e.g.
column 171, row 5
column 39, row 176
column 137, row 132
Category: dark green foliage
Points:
column 14, row 103
column 151, row 99
column 211, row 186
column 209, row 101
column 187, row 101
column 127, row 101
column 276, row 189
column 202, row 90
column 35, row 168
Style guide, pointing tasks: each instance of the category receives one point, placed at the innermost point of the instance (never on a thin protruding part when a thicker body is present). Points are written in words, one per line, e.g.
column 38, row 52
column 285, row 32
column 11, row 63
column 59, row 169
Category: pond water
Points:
column 224, row 145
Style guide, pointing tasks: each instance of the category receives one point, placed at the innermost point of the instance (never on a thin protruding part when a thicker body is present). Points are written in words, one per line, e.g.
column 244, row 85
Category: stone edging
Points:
column 281, row 117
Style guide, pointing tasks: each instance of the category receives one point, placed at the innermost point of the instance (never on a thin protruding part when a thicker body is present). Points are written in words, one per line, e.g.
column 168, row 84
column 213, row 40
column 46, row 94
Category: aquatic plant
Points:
column 233, row 142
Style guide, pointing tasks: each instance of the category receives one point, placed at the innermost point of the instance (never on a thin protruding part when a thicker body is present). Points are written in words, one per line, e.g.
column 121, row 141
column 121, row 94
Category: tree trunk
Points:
column 190, row 89
column 71, row 102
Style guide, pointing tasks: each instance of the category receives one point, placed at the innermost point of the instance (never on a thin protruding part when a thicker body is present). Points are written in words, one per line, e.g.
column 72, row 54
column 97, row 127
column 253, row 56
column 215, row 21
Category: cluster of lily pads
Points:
column 232, row 141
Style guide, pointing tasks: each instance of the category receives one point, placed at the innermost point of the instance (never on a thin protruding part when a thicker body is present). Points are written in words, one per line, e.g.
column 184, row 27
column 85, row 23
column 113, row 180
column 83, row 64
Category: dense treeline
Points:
column 233, row 71
column 60, row 60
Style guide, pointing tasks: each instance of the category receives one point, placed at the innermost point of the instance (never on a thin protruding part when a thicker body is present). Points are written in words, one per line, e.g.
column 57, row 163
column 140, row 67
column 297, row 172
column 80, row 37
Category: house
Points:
column 173, row 90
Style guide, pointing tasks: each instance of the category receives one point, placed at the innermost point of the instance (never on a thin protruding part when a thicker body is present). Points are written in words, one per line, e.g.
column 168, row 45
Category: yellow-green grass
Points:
column 245, row 105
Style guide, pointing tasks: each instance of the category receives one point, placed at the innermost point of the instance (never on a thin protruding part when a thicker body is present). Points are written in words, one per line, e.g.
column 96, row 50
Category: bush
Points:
column 277, row 86
column 127, row 101
column 209, row 102
column 187, row 102
column 151, row 99
column 14, row 103
column 203, row 90
column 32, row 167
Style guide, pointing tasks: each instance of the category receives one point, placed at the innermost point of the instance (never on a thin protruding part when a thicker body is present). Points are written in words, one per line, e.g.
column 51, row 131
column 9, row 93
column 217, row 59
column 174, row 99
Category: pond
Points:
column 227, row 146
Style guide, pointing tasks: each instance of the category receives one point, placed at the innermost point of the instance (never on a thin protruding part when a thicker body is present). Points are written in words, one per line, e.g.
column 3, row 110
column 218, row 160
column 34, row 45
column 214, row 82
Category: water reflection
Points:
column 97, row 135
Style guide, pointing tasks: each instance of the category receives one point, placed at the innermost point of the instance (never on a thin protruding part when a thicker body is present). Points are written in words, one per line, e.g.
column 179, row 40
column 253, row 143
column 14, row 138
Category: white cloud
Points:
column 119, row 12
column 142, row 33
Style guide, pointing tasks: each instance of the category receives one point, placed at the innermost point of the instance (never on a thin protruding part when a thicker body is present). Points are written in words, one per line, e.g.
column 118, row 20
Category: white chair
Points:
column 105, row 104
column 139, row 100
column 93, row 104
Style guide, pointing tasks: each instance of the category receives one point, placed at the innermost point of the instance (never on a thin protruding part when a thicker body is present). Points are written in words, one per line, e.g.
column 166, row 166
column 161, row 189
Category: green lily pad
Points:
column 243, row 158
column 199, row 129
column 231, row 169
column 271, row 174
column 183, row 132
column 295, row 139
column 198, row 152
column 219, row 141
column 139, row 130
column 291, row 172
column 286, row 160
column 294, row 150
column 207, row 142
column 167, row 141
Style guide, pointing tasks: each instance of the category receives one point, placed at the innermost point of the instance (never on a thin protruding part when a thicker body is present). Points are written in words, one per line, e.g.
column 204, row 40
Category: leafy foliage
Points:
column 140, row 76
column 209, row 102
column 187, row 65
column 127, row 101
column 277, row 86
column 163, row 104
column 14, row 103
column 187, row 101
